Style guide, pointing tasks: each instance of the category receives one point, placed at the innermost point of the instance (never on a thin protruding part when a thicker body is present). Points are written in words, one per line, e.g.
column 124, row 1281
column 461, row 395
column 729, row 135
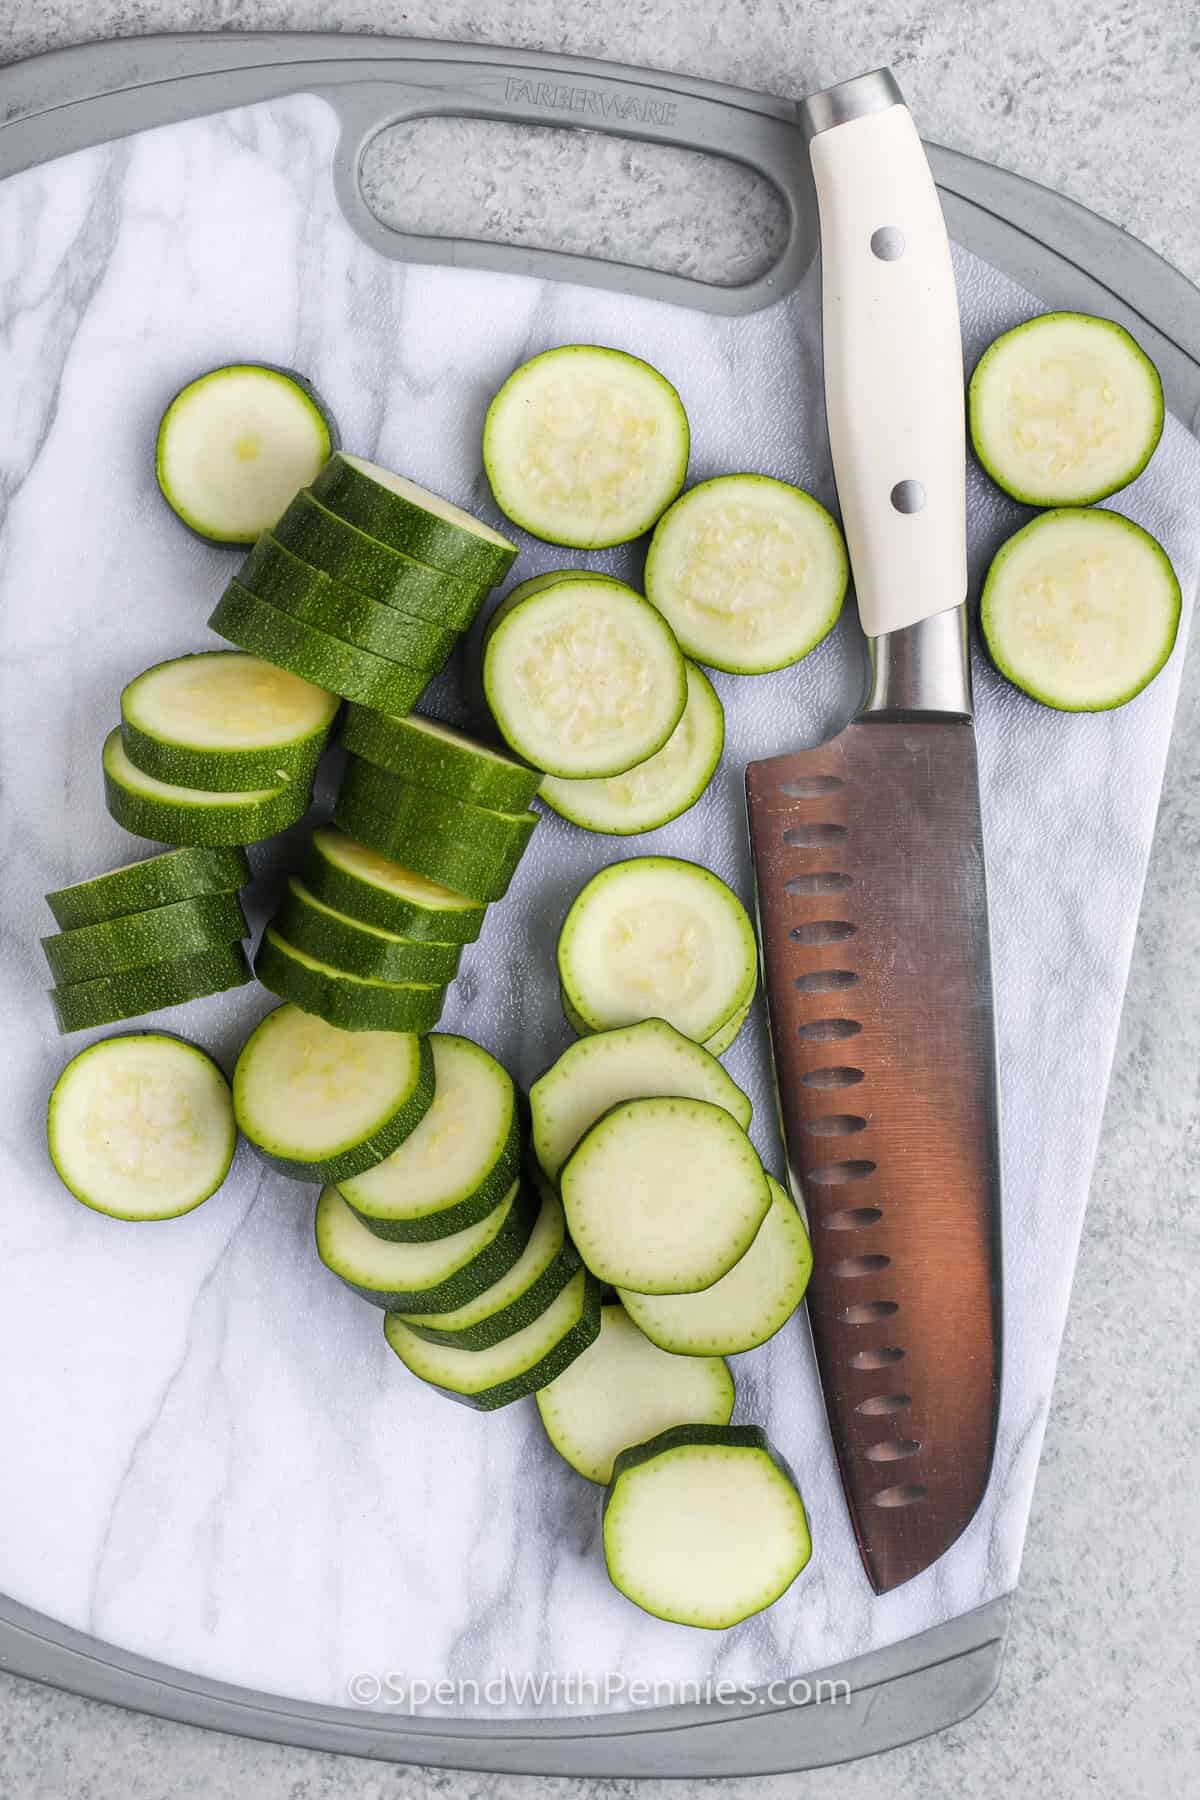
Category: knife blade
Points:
column 871, row 888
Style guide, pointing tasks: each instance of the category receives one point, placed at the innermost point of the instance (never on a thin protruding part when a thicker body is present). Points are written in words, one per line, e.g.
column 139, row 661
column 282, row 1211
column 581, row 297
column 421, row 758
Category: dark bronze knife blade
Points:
column 869, row 870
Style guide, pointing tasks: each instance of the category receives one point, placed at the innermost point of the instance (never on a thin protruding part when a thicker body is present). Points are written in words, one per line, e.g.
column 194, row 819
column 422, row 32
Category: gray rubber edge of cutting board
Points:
column 72, row 99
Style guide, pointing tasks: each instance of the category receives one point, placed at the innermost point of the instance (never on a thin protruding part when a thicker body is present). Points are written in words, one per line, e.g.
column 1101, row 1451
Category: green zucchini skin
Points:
column 467, row 1211
column 403, row 748
column 141, row 886
column 349, row 1002
column 162, row 935
column 464, row 847
column 83, row 1004
column 466, row 1283
column 277, row 576
column 334, row 938
column 405, row 525
column 316, row 535
column 236, row 820
column 363, row 1154
column 339, row 887
column 254, row 624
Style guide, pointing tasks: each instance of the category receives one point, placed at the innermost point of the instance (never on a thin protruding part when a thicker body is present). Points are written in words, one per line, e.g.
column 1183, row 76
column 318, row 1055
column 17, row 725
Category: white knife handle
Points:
column 893, row 356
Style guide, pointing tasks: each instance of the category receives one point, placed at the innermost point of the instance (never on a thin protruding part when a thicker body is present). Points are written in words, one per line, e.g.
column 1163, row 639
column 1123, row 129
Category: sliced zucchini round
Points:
column 318, row 930
column 225, row 721
column 749, row 572
column 637, row 1062
column 184, row 928
column 517, row 1365
column 622, row 1390
column 185, row 815
column 155, row 881
column 351, row 1002
column 437, row 756
column 413, row 520
column 1064, row 409
column 82, row 1005
column 1081, row 609
column 657, row 938
column 469, row 848
column 518, row 1298
column 747, row 1306
column 703, row 1525
column 585, row 446
column 329, row 661
column 658, row 790
column 284, row 580
column 316, row 535
column 235, row 445
column 359, row 882
column 664, row 1196
column 583, row 676
column 433, row 1276
column 459, row 1162
column 141, row 1126
column 322, row 1104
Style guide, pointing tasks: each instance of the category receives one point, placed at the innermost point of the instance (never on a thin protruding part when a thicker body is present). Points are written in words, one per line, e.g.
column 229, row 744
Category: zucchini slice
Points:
column 583, row 676
column 459, row 1162
column 234, row 446
column 585, row 446
column 703, row 1525
column 517, row 1365
column 433, row 1276
column 343, row 668
column 187, row 815
column 658, row 790
column 1064, row 409
column 747, row 1306
column 622, row 1390
column 472, row 849
column 351, row 1002
column 225, row 721
column 411, row 519
column 518, row 1298
column 282, row 579
column 356, row 880
column 106, row 998
column 316, row 535
column 155, row 881
column 657, row 938
column 141, row 1126
column 723, row 1038
column 323, row 1104
column 749, row 572
column 318, row 930
column 664, row 1196
column 437, row 756
column 184, row 928
column 638, row 1062
column 1080, row 609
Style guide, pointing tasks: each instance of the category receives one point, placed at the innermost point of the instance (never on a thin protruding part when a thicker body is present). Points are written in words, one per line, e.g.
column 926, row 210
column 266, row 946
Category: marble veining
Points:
column 218, row 1461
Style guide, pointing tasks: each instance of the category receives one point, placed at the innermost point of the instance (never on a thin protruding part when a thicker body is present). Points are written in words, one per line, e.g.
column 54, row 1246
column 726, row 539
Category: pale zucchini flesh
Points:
column 726, row 1035
column 749, row 572
column 433, row 1276
column 748, row 1305
column 703, row 1525
column 622, row 1390
column 586, row 446
column 184, row 928
column 141, row 1126
column 664, row 1195
column 634, row 1062
column 200, row 816
column 358, row 881
column 351, row 1002
column 104, row 999
column 656, row 937
column 154, row 881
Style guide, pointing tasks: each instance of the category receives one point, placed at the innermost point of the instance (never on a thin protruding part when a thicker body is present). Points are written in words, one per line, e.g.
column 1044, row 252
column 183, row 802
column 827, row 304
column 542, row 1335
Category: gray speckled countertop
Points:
column 1100, row 1693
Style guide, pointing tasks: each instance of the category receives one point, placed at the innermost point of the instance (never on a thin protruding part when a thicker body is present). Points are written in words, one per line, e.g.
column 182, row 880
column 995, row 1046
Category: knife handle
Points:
column 893, row 355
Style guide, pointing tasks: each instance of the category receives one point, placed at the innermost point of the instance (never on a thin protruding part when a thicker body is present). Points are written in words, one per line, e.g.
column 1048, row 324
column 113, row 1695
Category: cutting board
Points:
column 215, row 1462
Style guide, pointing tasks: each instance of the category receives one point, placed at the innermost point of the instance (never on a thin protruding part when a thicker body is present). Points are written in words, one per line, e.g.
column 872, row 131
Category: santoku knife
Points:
column 869, row 870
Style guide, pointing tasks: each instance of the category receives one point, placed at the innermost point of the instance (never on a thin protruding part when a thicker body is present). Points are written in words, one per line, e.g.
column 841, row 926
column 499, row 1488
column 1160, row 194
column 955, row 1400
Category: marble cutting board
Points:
column 212, row 1458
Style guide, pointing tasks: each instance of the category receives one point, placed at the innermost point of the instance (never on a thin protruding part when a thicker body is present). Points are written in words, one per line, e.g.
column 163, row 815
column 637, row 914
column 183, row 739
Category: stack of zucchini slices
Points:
column 150, row 935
